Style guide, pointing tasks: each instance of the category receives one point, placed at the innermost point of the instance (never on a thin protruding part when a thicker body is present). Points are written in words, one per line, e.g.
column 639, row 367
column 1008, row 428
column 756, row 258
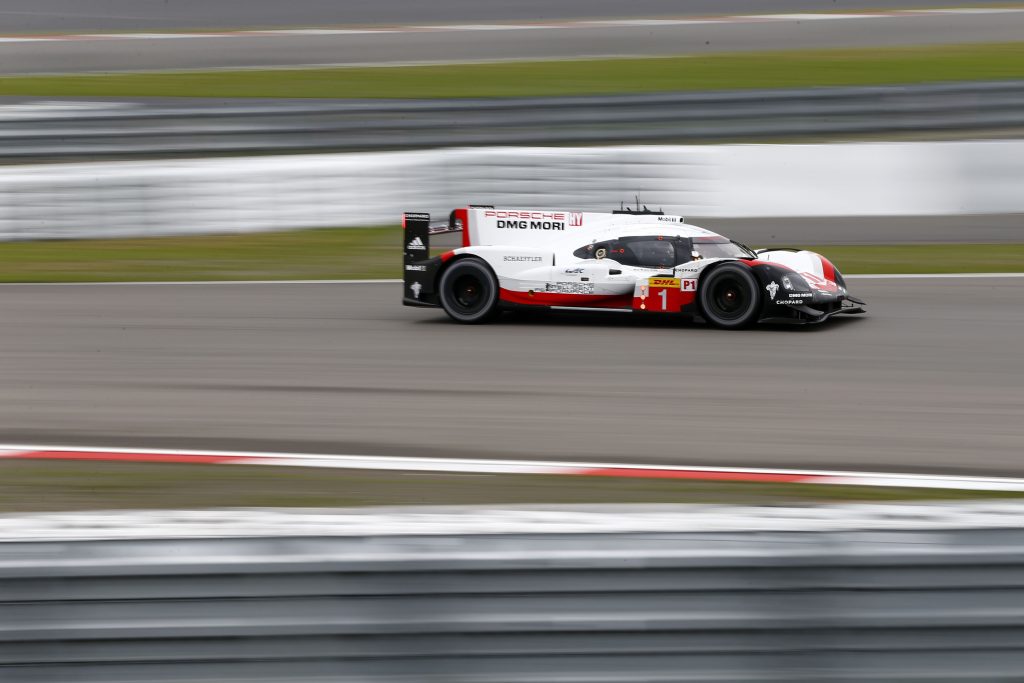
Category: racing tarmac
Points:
column 472, row 43
column 38, row 16
column 929, row 380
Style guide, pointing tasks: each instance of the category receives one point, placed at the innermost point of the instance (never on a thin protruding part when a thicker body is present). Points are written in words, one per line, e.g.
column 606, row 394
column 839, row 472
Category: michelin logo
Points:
column 416, row 287
column 416, row 245
column 772, row 288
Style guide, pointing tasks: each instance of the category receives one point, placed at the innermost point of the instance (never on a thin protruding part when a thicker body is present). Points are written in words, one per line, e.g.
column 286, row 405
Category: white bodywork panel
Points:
column 566, row 231
column 804, row 262
column 522, row 270
column 532, row 250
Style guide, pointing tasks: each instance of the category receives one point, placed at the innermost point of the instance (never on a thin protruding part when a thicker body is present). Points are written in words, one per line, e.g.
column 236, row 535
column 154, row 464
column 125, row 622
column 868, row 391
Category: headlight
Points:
column 795, row 283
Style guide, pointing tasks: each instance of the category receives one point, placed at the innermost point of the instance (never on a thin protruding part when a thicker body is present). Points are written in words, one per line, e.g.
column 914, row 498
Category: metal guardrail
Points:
column 760, row 595
column 193, row 127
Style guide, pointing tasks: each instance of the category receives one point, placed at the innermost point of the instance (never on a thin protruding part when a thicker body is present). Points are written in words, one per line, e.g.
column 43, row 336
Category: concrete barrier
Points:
column 243, row 194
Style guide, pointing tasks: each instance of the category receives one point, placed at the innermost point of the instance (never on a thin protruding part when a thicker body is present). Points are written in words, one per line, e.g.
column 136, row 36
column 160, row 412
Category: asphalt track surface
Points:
column 458, row 45
column 37, row 16
column 928, row 380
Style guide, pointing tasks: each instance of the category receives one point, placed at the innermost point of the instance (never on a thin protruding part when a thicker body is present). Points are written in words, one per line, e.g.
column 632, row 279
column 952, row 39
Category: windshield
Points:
column 647, row 253
column 720, row 248
column 655, row 251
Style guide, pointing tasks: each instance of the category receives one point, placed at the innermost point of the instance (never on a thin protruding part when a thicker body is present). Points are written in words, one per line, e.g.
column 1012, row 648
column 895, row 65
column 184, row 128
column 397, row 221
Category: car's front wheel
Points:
column 730, row 298
column 469, row 291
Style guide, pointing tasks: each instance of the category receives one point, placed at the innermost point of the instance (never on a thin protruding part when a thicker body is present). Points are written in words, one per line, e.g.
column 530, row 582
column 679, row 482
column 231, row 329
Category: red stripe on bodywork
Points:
column 828, row 270
column 124, row 457
column 690, row 474
column 446, row 256
column 463, row 215
column 557, row 299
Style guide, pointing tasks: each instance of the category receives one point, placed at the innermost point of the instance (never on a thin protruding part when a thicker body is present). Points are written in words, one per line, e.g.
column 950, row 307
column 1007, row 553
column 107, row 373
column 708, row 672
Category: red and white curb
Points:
column 483, row 466
column 522, row 26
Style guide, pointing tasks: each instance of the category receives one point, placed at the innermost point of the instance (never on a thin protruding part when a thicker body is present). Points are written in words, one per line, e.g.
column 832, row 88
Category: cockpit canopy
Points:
column 659, row 251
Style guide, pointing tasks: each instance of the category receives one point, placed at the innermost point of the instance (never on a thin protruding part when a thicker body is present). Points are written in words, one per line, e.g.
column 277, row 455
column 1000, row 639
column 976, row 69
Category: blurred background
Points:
column 199, row 240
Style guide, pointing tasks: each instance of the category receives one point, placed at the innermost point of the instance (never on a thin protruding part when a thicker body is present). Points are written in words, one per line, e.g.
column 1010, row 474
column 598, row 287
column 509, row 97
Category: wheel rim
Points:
column 729, row 297
column 468, row 292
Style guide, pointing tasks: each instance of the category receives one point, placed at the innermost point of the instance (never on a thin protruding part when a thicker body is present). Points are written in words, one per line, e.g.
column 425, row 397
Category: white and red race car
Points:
column 641, row 261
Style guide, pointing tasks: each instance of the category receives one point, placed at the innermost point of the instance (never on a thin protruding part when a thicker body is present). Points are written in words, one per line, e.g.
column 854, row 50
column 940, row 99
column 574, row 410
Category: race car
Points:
column 639, row 261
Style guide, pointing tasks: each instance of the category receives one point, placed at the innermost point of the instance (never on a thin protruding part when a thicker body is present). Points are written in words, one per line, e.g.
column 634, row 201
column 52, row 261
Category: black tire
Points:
column 469, row 292
column 730, row 297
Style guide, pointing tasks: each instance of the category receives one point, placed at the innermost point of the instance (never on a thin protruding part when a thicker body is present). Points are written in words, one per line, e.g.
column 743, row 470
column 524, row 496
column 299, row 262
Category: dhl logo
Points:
column 664, row 282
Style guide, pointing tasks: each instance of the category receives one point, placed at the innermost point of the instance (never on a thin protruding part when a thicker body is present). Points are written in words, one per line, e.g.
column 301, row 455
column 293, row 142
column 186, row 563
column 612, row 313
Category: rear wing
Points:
column 416, row 236
column 417, row 230
column 419, row 270
column 443, row 228
column 416, row 227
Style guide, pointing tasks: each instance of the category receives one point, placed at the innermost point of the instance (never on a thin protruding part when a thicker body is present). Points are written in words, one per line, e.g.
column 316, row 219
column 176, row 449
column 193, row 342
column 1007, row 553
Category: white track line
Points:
column 348, row 65
column 537, row 26
column 931, row 276
column 178, row 283
column 497, row 466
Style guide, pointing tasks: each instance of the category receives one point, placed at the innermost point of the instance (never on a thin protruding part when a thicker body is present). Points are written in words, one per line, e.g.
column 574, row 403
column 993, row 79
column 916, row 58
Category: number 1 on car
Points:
column 670, row 292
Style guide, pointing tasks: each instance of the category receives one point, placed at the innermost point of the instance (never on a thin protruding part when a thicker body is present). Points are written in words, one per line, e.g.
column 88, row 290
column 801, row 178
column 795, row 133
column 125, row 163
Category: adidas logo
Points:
column 416, row 244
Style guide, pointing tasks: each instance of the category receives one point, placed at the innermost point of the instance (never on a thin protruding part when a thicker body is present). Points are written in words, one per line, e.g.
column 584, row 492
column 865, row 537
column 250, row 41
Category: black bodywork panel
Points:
column 419, row 271
column 807, row 306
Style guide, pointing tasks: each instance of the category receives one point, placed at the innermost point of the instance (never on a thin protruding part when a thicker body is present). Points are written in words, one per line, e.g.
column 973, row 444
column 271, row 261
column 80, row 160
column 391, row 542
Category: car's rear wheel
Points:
column 730, row 298
column 469, row 291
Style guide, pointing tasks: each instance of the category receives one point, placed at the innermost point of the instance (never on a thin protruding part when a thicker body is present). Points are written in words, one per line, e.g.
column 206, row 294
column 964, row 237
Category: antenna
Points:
column 637, row 211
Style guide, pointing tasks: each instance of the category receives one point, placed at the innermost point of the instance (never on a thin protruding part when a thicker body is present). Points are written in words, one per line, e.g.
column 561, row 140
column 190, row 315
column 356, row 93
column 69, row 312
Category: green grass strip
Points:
column 338, row 253
column 356, row 253
column 926, row 258
column 871, row 66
